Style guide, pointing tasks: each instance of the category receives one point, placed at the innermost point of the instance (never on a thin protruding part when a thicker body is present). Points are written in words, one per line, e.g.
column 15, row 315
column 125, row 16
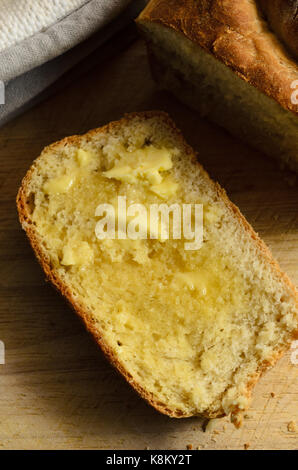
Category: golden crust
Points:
column 23, row 206
column 282, row 16
column 235, row 33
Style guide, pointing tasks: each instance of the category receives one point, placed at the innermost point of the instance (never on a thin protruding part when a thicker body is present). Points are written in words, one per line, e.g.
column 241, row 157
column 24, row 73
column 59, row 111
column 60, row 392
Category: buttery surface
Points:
column 171, row 315
column 58, row 390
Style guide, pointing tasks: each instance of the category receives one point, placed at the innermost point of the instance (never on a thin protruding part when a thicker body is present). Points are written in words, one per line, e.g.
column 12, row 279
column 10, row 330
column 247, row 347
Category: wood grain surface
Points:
column 56, row 389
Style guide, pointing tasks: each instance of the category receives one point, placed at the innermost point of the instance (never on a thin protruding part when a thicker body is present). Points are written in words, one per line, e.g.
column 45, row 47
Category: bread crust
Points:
column 235, row 33
column 282, row 16
column 23, row 206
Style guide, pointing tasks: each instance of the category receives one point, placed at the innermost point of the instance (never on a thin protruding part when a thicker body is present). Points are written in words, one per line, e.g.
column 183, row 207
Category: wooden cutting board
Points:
column 57, row 390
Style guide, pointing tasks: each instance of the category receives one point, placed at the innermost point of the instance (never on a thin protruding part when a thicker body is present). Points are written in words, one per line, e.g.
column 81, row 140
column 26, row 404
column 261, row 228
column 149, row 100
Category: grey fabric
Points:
column 34, row 64
column 58, row 38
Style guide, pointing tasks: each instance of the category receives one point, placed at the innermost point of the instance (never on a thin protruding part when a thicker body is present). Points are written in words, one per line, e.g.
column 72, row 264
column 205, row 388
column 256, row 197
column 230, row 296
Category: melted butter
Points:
column 83, row 157
column 60, row 184
column 144, row 166
column 155, row 299
column 194, row 281
column 77, row 253
column 166, row 189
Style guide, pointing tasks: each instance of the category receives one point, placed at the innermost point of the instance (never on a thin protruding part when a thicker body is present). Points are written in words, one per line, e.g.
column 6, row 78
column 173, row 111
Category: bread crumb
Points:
column 237, row 419
column 147, row 448
column 224, row 427
column 210, row 425
column 199, row 447
column 213, row 439
column 292, row 426
column 246, row 445
column 272, row 394
column 189, row 446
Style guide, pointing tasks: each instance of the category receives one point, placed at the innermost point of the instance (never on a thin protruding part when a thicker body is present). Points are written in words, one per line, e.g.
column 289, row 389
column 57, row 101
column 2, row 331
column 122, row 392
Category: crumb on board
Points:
column 292, row 427
column 237, row 419
column 246, row 445
column 189, row 446
column 272, row 394
column 210, row 425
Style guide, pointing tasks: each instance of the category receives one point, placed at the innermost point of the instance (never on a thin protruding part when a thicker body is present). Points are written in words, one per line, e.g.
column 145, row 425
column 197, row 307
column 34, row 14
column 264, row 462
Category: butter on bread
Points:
column 191, row 331
column 223, row 59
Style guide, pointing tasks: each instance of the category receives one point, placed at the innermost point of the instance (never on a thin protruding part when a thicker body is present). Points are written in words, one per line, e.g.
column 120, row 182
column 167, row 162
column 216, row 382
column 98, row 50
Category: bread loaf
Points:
column 222, row 58
column 191, row 330
column 282, row 16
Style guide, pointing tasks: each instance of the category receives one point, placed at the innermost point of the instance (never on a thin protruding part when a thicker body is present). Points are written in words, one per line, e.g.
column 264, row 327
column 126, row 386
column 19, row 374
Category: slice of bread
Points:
column 190, row 330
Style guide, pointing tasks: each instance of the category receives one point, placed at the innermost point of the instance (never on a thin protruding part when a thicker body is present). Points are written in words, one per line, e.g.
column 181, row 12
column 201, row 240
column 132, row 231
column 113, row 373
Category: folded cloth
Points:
column 47, row 50
column 21, row 19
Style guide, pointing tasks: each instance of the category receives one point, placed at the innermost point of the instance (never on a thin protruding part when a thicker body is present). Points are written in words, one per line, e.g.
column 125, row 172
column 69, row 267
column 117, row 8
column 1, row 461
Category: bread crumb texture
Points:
column 190, row 330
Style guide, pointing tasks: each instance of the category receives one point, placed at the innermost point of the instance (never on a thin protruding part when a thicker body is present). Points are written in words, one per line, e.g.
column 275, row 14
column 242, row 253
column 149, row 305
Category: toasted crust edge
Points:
column 86, row 317
column 228, row 31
